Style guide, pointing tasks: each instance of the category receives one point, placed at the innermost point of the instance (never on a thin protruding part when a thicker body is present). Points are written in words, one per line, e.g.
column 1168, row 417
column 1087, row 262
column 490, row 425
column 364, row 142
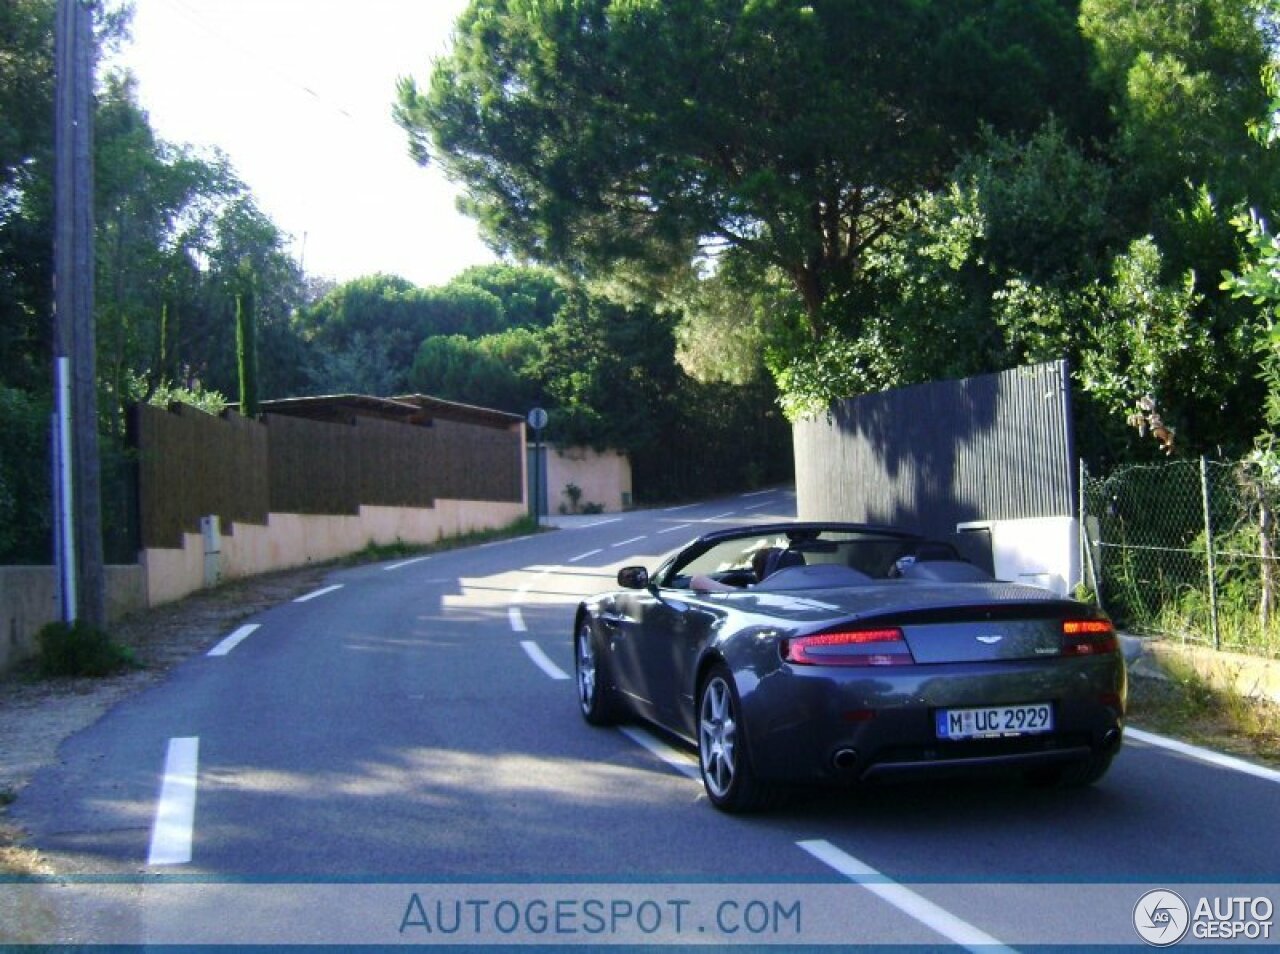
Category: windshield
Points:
column 748, row 559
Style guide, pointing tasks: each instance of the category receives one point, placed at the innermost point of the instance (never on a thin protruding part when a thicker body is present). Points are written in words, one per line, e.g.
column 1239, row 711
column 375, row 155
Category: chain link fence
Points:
column 1187, row 549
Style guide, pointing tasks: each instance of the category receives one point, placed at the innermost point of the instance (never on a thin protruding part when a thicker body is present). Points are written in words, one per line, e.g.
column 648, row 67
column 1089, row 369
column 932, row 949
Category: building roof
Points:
column 420, row 409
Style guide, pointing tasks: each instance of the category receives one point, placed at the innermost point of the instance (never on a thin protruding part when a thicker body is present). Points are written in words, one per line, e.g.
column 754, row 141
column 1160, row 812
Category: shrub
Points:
column 79, row 649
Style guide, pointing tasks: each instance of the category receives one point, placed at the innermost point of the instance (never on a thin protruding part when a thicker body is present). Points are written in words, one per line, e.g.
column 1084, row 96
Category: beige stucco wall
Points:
column 28, row 595
column 605, row 478
column 289, row 540
column 29, row 600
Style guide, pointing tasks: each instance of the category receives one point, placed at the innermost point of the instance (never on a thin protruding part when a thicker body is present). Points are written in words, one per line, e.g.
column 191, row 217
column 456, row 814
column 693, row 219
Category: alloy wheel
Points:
column 586, row 666
column 717, row 737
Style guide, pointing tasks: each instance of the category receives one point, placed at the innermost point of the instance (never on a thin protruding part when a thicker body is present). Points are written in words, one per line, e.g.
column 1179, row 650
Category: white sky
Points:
column 298, row 93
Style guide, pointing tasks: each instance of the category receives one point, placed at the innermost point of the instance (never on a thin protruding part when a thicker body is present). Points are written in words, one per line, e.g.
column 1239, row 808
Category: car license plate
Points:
column 994, row 721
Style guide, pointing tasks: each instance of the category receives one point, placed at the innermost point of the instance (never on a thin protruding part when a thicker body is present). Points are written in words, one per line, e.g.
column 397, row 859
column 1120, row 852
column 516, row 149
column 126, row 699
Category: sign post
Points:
column 537, row 420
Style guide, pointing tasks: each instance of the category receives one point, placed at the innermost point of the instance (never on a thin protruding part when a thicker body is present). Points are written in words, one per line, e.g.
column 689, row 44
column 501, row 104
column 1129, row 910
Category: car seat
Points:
column 781, row 559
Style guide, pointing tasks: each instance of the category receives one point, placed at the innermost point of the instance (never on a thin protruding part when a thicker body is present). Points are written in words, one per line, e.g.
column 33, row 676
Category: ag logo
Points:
column 1161, row 917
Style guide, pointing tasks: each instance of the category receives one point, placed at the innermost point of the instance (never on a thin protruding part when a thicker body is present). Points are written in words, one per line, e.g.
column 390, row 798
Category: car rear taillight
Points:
column 1088, row 637
column 855, row 647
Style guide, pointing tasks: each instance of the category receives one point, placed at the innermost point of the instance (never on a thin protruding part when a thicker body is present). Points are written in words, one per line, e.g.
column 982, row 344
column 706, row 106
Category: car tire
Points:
column 724, row 758
column 596, row 699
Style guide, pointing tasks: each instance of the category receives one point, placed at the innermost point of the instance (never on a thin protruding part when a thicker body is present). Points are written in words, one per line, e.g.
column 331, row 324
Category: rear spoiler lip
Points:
column 1057, row 608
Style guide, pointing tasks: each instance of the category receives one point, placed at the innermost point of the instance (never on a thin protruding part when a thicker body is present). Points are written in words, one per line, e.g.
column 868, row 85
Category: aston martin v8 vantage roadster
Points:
column 808, row 653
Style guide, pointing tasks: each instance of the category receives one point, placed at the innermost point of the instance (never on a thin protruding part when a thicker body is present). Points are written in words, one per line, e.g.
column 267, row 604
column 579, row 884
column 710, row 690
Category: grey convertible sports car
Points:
column 805, row 652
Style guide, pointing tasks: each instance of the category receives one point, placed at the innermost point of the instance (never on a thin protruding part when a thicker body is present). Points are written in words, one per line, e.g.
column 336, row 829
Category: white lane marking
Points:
column 683, row 526
column 674, row 757
column 756, row 493
column 583, row 556
column 632, row 540
column 759, row 506
column 313, row 595
column 514, row 613
column 1204, row 755
column 234, row 640
column 599, row 523
column 542, row 660
column 171, row 835
column 719, row 516
column 404, row 563
column 681, row 507
column 904, row 899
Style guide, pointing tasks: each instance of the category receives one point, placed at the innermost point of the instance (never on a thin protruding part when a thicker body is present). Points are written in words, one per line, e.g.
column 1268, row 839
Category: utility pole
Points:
column 74, row 340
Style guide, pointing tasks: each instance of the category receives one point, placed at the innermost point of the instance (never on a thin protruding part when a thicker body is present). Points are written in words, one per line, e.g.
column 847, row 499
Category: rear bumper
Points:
column 814, row 724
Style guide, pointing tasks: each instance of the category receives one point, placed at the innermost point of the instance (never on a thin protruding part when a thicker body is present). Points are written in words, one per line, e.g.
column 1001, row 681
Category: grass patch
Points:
column 79, row 649
column 1185, row 705
column 376, row 552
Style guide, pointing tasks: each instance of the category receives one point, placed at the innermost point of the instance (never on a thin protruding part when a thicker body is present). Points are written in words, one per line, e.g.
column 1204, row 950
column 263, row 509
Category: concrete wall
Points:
column 29, row 600
column 290, row 540
column 605, row 478
column 28, row 595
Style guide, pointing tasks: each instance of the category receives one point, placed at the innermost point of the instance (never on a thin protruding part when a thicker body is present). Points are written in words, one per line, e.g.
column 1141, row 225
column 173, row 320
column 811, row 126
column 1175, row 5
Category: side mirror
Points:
column 633, row 578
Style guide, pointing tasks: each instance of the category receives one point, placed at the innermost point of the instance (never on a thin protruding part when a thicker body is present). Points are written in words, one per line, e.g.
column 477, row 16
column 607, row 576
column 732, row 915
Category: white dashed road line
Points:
column 582, row 556
column 171, row 834
column 1203, row 755
column 916, row 906
column 404, row 563
column 624, row 543
column 517, row 620
column 234, row 640
column 542, row 661
column 313, row 595
column 683, row 526
column 719, row 516
column 682, row 762
column 678, row 760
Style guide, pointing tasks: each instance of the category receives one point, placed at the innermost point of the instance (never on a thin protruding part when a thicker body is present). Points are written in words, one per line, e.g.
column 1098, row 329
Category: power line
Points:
column 267, row 67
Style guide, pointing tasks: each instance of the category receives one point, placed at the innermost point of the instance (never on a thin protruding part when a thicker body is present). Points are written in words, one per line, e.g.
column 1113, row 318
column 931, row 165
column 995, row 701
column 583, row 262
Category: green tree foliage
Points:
column 26, row 199
column 367, row 332
column 492, row 371
column 611, row 379
column 174, row 225
column 25, row 514
column 531, row 297
column 247, row 342
column 176, row 232
column 610, row 371
column 648, row 132
column 1184, row 81
column 1258, row 281
column 863, row 195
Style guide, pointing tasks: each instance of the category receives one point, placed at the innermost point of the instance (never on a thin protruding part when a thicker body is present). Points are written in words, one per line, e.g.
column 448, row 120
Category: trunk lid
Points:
column 971, row 623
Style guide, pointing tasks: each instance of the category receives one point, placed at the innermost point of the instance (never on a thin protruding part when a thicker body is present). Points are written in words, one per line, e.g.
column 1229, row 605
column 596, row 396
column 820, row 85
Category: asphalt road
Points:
column 414, row 723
